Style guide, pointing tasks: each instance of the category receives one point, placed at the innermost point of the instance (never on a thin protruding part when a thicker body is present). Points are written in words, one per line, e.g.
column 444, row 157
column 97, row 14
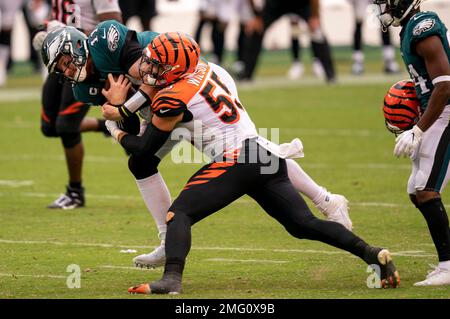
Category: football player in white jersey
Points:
column 190, row 90
column 62, row 116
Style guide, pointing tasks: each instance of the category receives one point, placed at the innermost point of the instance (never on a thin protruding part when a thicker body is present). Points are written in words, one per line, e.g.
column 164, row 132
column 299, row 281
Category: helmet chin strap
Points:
column 81, row 74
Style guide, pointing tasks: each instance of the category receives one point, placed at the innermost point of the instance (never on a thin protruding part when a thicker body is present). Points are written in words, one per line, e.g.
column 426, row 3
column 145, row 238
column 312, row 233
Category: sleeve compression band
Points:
column 150, row 142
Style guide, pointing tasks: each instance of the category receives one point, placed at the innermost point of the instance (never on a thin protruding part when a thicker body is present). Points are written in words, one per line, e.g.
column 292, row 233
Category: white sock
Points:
column 388, row 53
column 444, row 265
column 305, row 184
column 358, row 57
column 156, row 197
column 4, row 54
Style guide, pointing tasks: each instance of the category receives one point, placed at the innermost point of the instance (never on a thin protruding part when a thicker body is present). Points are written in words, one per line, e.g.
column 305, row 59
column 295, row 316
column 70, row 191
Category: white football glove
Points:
column 406, row 143
column 38, row 40
column 113, row 129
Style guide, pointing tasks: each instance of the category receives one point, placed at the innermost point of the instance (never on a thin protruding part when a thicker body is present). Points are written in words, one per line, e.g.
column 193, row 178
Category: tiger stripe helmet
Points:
column 169, row 57
column 401, row 107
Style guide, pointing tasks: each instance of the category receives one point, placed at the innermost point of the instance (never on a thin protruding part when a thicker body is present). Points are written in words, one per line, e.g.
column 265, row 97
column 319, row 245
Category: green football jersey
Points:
column 106, row 44
column 422, row 25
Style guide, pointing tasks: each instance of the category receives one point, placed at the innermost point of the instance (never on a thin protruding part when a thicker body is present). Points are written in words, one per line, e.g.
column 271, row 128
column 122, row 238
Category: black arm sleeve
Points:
column 131, row 51
column 149, row 143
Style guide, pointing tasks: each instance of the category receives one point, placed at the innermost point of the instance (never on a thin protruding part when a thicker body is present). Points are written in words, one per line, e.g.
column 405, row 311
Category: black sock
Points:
column 75, row 185
column 178, row 243
column 322, row 51
column 357, row 43
column 437, row 220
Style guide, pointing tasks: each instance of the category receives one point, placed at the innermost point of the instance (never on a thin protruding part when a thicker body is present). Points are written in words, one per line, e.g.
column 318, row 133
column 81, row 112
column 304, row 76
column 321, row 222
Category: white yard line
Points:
column 415, row 253
column 127, row 268
column 262, row 261
column 15, row 183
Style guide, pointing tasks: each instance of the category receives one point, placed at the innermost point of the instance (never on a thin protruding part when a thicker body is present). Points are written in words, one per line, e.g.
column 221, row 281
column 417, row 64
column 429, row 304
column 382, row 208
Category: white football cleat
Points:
column 436, row 277
column 156, row 258
column 335, row 209
column 318, row 70
column 296, row 71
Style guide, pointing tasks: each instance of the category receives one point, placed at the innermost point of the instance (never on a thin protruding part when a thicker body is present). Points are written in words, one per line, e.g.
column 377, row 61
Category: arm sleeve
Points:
column 149, row 143
column 166, row 106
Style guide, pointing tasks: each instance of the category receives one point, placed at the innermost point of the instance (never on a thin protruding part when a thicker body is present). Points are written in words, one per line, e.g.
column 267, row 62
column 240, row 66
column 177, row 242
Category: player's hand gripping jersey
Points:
column 420, row 26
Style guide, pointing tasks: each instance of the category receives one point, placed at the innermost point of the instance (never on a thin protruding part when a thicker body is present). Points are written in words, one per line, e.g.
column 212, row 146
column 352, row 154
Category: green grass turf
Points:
column 239, row 252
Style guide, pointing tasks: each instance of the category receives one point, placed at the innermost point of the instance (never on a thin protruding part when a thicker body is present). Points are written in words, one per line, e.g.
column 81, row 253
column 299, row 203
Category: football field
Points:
column 239, row 252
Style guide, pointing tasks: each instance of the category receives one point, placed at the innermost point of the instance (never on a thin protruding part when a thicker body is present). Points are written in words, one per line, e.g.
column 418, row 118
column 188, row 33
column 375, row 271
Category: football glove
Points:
column 113, row 129
column 406, row 143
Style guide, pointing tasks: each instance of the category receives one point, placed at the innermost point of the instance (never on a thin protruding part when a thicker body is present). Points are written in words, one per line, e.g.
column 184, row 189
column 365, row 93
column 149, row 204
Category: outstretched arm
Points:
column 155, row 135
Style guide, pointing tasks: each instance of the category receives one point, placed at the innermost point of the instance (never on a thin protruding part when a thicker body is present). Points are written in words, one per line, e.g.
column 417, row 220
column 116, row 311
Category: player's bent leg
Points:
column 199, row 198
column 281, row 201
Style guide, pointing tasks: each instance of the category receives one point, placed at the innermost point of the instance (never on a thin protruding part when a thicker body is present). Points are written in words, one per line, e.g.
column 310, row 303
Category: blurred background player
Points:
column 35, row 13
column 8, row 11
column 388, row 50
column 62, row 115
column 297, row 68
column 145, row 10
column 216, row 13
column 425, row 48
column 271, row 11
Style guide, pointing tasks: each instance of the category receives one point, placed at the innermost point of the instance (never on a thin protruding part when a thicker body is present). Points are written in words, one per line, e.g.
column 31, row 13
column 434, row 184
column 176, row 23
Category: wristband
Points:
column 136, row 101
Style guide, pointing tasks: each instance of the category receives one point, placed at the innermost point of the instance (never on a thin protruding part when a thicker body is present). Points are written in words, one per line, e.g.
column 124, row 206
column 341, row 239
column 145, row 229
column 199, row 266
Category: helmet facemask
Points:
column 152, row 71
column 392, row 12
column 168, row 58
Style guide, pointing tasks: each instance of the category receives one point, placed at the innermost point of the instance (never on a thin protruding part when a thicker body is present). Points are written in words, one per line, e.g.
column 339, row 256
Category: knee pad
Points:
column 143, row 166
column 48, row 130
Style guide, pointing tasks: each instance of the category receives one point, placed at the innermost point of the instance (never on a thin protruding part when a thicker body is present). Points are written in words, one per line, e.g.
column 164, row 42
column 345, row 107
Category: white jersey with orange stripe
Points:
column 82, row 14
column 215, row 120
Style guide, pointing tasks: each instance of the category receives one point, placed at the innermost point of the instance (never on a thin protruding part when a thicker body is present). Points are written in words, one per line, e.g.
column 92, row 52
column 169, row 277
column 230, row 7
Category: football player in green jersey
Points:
column 426, row 52
column 88, row 62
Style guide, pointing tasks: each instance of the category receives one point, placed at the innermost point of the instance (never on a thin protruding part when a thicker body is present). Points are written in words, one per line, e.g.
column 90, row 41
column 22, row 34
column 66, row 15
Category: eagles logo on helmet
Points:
column 401, row 107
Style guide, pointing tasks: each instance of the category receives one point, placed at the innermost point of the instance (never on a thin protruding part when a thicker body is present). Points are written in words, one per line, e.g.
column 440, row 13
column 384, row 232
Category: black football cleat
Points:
column 389, row 275
column 170, row 283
